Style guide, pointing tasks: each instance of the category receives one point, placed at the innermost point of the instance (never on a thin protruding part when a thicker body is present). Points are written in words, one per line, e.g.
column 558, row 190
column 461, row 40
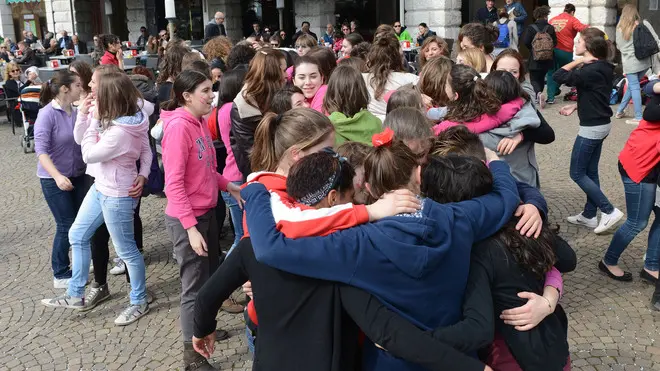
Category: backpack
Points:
column 542, row 44
column 644, row 42
column 503, row 39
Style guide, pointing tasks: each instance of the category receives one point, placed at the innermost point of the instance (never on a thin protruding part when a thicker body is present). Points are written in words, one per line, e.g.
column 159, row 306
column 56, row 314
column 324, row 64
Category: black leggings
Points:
column 537, row 78
column 101, row 251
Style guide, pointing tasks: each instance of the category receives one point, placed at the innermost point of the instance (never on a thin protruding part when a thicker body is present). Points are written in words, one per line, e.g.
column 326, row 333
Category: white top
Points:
column 61, row 57
column 396, row 80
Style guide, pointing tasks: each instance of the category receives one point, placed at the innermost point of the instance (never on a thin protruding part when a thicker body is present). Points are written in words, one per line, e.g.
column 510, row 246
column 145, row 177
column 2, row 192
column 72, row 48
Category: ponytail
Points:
column 301, row 128
column 51, row 88
column 474, row 96
column 263, row 156
column 388, row 166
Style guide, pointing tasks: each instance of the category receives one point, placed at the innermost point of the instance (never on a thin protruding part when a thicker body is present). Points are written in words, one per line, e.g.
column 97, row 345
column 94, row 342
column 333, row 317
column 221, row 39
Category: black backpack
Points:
column 644, row 42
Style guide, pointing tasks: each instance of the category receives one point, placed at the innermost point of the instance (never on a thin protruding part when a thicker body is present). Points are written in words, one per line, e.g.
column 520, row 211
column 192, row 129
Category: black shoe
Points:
column 194, row 361
column 643, row 274
column 627, row 276
column 221, row 334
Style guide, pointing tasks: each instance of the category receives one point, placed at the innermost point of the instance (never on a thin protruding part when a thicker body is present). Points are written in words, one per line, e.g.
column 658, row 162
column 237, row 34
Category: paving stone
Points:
column 610, row 324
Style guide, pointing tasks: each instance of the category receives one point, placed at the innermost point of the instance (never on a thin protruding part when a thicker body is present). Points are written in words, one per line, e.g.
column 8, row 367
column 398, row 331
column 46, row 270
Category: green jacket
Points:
column 358, row 128
column 405, row 36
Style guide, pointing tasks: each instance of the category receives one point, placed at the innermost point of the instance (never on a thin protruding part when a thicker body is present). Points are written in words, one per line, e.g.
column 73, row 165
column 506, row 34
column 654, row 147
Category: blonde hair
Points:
column 9, row 67
column 276, row 134
column 628, row 21
column 474, row 58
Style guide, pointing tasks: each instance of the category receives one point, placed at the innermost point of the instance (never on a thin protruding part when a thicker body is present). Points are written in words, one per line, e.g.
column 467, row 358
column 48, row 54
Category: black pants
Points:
column 101, row 251
column 537, row 78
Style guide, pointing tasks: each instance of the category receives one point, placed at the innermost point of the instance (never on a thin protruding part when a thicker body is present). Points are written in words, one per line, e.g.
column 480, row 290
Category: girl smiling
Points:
column 308, row 77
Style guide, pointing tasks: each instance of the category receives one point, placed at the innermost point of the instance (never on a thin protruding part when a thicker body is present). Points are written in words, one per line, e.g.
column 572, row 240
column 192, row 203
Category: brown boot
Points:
column 194, row 361
column 231, row 306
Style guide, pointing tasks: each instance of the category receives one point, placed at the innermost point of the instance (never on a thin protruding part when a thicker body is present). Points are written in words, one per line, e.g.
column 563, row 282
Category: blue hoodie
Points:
column 416, row 264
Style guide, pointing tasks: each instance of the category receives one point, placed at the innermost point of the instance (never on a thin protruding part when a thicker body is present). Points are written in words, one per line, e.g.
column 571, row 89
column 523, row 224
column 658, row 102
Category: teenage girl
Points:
column 346, row 102
column 289, row 97
column 115, row 138
column 308, row 77
column 60, row 169
column 192, row 184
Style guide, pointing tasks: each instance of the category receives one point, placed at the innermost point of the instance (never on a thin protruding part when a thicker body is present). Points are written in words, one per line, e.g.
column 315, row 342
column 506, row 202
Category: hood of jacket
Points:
column 136, row 125
column 412, row 242
column 181, row 116
column 272, row 181
column 146, row 87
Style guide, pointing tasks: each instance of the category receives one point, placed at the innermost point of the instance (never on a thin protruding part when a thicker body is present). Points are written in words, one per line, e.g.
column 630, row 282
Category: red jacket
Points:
column 641, row 153
column 109, row 58
column 566, row 28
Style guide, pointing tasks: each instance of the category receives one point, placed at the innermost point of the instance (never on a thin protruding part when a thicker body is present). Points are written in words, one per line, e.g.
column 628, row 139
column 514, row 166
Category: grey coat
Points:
column 523, row 159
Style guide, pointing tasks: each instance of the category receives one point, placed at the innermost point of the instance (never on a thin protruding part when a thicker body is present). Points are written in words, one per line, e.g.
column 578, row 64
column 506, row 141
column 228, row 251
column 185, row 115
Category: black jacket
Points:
column 485, row 16
column 29, row 58
column 305, row 324
column 244, row 120
column 594, row 86
column 82, row 47
column 212, row 30
column 493, row 286
column 527, row 39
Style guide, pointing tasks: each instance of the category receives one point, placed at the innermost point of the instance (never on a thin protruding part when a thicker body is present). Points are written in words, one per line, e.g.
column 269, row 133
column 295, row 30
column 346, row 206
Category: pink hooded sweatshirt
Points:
column 316, row 103
column 111, row 154
column 191, row 177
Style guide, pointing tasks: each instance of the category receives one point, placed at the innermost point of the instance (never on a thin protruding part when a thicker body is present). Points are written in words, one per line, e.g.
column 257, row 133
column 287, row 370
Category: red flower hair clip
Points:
column 383, row 139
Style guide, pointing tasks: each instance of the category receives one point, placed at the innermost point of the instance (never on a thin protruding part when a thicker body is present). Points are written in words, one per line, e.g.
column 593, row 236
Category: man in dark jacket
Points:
column 65, row 41
column 29, row 58
column 215, row 27
column 487, row 14
column 424, row 32
column 539, row 68
column 304, row 29
column 78, row 46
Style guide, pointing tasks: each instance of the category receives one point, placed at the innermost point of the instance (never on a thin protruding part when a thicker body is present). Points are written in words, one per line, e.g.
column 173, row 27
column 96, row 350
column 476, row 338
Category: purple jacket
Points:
column 53, row 136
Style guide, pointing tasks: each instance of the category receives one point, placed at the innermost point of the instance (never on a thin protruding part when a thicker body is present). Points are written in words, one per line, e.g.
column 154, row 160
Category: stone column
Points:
column 6, row 21
column 317, row 12
column 84, row 18
column 233, row 16
column 58, row 14
column 442, row 16
column 136, row 17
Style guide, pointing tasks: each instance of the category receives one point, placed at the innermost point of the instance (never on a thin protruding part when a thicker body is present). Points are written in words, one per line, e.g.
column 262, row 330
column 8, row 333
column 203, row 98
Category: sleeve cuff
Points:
column 188, row 221
column 361, row 214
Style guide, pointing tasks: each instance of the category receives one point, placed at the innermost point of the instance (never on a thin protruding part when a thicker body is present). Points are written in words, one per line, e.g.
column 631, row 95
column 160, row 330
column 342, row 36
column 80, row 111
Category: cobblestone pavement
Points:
column 611, row 326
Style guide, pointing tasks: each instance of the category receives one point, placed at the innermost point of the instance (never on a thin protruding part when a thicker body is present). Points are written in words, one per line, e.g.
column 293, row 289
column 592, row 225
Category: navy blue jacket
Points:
column 416, row 264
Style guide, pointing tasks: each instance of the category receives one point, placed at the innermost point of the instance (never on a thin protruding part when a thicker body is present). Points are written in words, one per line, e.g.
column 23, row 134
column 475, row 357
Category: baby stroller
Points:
column 28, row 103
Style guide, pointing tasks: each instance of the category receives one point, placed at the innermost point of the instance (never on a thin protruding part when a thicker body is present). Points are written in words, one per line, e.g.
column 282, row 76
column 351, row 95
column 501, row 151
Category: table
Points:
column 46, row 73
column 62, row 58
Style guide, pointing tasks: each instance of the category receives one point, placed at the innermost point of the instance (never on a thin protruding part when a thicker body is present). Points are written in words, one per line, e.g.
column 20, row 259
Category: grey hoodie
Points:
column 523, row 159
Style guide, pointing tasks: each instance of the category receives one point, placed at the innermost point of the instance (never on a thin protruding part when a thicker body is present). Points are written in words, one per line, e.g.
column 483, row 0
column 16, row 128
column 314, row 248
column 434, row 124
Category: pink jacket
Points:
column 231, row 171
column 111, row 155
column 316, row 103
column 485, row 122
column 191, row 177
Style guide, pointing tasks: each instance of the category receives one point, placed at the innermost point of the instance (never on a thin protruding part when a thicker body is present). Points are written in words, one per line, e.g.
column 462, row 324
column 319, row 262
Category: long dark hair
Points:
column 170, row 65
column 474, row 97
column 382, row 60
column 84, row 70
column 108, row 39
column 186, row 82
column 282, row 99
column 511, row 53
column 347, row 93
column 534, row 255
column 51, row 88
column 231, row 84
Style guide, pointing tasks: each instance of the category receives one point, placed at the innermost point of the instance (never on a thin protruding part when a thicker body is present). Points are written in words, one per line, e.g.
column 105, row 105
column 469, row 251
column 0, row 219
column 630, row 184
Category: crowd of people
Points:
column 363, row 198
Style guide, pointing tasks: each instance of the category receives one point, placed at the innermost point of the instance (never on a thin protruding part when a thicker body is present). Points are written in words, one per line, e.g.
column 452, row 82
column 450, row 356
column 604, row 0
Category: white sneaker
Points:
column 607, row 221
column 61, row 283
column 580, row 219
column 119, row 268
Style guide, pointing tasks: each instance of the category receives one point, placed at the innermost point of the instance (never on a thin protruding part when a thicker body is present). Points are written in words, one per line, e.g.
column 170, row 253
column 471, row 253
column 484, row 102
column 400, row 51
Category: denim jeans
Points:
column 640, row 200
column 633, row 91
column 236, row 214
column 64, row 206
column 117, row 213
column 584, row 172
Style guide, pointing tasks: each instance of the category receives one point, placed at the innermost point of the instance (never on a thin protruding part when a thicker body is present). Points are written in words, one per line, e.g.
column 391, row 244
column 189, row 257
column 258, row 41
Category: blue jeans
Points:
column 236, row 214
column 584, row 172
column 64, row 206
column 250, row 340
column 640, row 200
column 117, row 213
column 633, row 91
